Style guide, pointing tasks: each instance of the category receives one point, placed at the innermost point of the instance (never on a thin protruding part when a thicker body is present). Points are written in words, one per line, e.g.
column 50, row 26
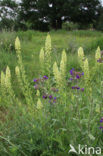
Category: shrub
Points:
column 70, row 26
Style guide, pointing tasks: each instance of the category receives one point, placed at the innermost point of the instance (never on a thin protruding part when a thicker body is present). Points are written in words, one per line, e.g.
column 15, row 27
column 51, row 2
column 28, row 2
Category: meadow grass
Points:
column 62, row 106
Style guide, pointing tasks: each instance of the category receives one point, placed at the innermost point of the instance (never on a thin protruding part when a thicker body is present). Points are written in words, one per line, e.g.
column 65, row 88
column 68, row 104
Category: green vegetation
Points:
column 43, row 107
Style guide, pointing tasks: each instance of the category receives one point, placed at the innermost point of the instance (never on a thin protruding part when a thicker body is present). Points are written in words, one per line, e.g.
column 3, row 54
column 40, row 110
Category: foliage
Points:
column 70, row 26
column 55, row 110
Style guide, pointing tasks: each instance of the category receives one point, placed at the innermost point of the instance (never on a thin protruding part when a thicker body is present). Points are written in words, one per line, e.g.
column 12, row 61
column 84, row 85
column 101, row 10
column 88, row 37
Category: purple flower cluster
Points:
column 50, row 97
column 39, row 81
column 100, row 60
column 78, row 88
column 75, row 75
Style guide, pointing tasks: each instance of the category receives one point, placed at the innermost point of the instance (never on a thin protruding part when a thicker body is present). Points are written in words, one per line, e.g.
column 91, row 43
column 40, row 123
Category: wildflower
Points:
column 45, row 77
column 74, row 74
column 98, row 54
column 45, row 96
column 70, row 79
column 101, row 120
column 82, row 89
column 100, row 60
column 50, row 97
column 86, row 71
column 17, row 44
column 48, row 54
column 38, row 93
column 35, row 80
column 76, row 87
column 57, row 75
column 41, row 58
column 63, row 64
column 71, row 71
column 77, row 76
column 55, row 98
column 39, row 104
column 81, row 57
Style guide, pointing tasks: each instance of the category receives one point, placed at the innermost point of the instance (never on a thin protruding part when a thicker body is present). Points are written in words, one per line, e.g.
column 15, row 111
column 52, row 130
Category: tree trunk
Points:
column 59, row 23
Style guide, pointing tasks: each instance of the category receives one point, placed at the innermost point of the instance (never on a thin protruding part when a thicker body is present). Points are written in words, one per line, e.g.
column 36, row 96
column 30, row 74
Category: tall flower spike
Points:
column 57, row 75
column 38, row 93
column 63, row 64
column 81, row 57
column 39, row 104
column 17, row 44
column 48, row 53
column 86, row 71
column 8, row 78
column 41, row 58
column 98, row 54
column 2, row 79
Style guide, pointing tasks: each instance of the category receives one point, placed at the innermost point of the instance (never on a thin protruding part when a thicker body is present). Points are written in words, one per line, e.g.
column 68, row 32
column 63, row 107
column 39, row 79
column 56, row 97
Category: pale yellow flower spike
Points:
column 63, row 64
column 86, row 71
column 48, row 45
column 17, row 70
column 8, row 78
column 39, row 104
column 81, row 57
column 48, row 54
column 41, row 59
column 2, row 79
column 98, row 54
column 17, row 44
column 38, row 93
column 57, row 75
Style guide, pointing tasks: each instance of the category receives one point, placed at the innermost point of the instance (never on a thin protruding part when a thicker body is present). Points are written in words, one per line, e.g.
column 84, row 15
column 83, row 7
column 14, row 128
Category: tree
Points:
column 8, row 13
column 85, row 11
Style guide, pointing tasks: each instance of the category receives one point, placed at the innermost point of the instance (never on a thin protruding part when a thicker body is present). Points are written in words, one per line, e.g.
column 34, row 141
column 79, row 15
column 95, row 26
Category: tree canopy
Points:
column 45, row 14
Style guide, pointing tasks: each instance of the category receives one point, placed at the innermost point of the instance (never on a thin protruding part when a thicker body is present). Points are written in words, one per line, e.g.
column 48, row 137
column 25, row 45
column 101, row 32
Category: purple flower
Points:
column 35, row 80
column 71, row 79
column 101, row 120
column 73, row 87
column 71, row 71
column 77, row 76
column 101, row 127
column 44, row 96
column 82, row 73
column 76, row 87
column 50, row 97
column 82, row 89
column 55, row 98
column 45, row 77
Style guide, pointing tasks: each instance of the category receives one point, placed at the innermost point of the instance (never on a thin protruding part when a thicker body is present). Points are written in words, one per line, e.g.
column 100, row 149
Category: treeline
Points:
column 50, row 14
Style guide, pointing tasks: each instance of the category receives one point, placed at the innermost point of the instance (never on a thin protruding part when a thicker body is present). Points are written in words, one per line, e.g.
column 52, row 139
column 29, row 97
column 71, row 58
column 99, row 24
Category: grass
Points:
column 73, row 119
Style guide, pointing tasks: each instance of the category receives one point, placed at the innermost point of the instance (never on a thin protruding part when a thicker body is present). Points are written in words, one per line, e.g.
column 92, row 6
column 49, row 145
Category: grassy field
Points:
column 54, row 100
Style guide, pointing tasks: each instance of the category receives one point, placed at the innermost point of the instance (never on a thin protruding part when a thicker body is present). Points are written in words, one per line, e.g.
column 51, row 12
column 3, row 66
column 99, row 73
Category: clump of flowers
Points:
column 77, row 88
column 50, row 98
column 39, row 82
column 75, row 75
